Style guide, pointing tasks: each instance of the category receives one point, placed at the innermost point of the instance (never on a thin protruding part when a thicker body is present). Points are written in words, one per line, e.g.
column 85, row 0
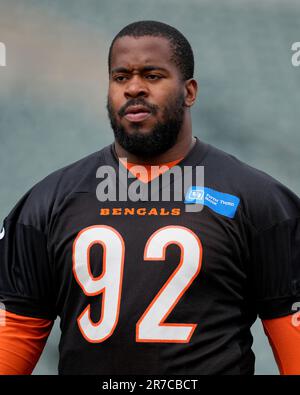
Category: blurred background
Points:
column 53, row 91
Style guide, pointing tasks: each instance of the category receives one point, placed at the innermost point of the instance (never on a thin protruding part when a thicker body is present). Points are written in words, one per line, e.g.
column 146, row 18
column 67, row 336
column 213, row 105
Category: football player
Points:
column 145, row 284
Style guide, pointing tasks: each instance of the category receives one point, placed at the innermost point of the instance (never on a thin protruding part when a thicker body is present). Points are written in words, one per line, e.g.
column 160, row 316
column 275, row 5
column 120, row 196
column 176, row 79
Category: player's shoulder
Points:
column 38, row 204
column 74, row 176
column 264, row 200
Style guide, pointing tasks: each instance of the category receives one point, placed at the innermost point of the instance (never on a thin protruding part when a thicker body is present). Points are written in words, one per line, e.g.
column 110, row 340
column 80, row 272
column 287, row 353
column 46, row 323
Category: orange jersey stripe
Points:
column 150, row 173
column 284, row 337
column 22, row 340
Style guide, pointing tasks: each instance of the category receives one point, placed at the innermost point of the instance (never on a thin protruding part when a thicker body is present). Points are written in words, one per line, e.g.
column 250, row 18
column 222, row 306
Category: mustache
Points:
column 135, row 102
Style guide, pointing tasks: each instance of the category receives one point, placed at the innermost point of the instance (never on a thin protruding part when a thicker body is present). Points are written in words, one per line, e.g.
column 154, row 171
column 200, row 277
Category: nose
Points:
column 135, row 87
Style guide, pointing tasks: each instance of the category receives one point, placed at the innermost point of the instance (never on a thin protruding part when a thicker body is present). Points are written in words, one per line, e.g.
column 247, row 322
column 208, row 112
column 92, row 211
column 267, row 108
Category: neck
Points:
column 182, row 147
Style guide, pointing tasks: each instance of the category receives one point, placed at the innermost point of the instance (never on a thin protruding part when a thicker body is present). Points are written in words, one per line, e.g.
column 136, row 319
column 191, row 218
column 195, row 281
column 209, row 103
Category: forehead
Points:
column 132, row 52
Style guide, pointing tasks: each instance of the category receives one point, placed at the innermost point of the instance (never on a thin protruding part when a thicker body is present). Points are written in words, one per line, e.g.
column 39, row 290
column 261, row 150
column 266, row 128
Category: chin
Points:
column 138, row 132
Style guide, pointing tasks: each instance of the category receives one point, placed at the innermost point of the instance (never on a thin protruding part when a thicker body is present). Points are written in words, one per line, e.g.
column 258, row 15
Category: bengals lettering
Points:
column 139, row 211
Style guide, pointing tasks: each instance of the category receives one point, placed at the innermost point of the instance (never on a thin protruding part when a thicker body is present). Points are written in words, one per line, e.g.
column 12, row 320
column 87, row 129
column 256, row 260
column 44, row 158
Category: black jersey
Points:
column 148, row 287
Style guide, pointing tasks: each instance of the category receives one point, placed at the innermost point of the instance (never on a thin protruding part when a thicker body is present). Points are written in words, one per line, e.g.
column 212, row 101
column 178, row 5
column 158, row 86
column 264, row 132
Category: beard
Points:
column 156, row 141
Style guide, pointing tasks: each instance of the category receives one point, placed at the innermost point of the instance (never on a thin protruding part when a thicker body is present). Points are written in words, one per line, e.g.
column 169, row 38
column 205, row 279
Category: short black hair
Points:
column 182, row 56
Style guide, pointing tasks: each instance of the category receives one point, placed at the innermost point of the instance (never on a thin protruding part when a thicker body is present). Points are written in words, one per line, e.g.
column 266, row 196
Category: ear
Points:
column 190, row 92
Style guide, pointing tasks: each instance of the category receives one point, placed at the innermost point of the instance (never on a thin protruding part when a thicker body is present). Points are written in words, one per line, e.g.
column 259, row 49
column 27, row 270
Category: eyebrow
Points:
column 145, row 68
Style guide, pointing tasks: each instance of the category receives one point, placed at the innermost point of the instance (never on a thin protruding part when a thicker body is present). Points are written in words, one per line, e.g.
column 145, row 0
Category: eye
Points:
column 119, row 78
column 153, row 77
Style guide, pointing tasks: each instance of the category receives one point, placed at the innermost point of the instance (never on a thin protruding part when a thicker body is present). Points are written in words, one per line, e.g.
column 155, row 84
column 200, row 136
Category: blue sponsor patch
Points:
column 221, row 203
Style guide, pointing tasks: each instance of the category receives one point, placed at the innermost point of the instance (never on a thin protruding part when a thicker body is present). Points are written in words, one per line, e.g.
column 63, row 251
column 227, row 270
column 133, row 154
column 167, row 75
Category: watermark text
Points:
column 2, row 55
column 296, row 56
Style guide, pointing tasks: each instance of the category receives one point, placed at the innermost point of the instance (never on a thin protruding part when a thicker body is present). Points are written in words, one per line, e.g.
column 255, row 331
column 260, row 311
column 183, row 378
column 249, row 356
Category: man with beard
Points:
column 152, row 294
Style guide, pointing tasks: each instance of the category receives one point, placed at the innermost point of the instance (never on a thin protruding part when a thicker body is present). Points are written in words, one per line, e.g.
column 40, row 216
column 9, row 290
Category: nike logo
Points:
column 2, row 233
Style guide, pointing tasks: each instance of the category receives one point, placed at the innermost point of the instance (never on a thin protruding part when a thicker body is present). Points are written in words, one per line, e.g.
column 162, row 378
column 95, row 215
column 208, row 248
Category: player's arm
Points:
column 27, row 285
column 275, row 272
column 284, row 337
column 277, row 290
column 22, row 340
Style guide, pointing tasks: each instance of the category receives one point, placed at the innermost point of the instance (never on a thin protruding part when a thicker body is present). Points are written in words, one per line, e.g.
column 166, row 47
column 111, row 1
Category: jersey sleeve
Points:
column 275, row 254
column 284, row 337
column 26, row 272
column 22, row 340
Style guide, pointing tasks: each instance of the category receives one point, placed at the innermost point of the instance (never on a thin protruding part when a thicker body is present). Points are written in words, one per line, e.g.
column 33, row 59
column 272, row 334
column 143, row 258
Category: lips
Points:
column 137, row 113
